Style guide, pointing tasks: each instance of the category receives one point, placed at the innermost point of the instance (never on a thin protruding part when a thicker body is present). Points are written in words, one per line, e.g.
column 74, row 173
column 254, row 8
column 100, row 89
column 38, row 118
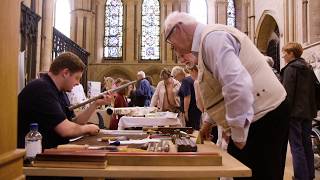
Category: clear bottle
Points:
column 33, row 141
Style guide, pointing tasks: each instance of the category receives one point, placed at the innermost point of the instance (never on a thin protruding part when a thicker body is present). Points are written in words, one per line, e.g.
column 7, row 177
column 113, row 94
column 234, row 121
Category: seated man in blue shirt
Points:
column 45, row 102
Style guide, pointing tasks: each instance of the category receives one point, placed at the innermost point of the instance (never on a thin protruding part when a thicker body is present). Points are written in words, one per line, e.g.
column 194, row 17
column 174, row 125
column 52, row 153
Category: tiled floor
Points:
column 289, row 169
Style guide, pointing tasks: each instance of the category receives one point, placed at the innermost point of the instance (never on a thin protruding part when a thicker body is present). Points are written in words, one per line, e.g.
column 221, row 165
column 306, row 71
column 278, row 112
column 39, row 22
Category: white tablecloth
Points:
column 126, row 122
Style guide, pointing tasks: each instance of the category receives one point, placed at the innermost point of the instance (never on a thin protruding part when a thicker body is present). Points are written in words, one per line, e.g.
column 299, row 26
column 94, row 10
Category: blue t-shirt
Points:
column 194, row 114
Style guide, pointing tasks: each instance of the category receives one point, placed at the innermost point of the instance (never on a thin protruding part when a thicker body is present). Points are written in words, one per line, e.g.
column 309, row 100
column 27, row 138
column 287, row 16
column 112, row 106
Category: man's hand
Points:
column 91, row 129
column 205, row 131
column 106, row 100
column 186, row 117
column 226, row 137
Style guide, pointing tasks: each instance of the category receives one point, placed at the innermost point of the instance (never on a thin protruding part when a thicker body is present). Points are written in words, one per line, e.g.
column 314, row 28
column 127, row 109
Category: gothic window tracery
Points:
column 150, row 34
column 113, row 30
column 231, row 14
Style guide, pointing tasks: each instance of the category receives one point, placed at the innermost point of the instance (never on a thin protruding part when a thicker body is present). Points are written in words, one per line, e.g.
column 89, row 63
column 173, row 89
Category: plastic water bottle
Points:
column 33, row 142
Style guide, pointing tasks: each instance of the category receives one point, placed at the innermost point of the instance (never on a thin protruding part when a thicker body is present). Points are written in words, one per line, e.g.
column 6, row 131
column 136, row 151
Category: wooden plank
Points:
column 70, row 164
column 164, row 160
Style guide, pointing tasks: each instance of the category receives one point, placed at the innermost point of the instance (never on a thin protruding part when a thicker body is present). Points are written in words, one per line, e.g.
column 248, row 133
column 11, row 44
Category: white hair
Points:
column 176, row 17
column 141, row 73
column 176, row 70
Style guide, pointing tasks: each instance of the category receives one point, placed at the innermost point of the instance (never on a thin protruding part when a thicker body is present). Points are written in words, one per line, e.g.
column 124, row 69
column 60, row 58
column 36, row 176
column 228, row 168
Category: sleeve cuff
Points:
column 239, row 134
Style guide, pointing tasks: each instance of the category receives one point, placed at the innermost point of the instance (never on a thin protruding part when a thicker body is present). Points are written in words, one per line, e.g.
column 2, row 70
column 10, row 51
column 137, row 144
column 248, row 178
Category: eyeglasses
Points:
column 170, row 33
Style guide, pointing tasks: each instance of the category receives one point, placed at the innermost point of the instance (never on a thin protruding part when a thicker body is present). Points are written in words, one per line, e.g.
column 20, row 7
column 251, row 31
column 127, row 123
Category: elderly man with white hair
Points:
column 143, row 91
column 188, row 104
column 239, row 90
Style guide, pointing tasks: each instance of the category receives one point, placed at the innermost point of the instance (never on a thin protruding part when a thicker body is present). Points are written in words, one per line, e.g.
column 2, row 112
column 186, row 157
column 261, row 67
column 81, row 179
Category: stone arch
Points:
column 116, row 72
column 268, row 37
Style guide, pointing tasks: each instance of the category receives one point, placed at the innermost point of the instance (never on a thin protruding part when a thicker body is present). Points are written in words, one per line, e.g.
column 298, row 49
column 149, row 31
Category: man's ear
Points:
column 65, row 72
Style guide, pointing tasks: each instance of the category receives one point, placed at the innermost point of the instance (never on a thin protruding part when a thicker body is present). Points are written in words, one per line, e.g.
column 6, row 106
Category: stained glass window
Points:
column 113, row 29
column 150, row 36
column 231, row 14
column 198, row 9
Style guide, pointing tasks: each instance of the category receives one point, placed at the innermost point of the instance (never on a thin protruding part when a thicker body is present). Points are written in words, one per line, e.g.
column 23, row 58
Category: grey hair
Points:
column 141, row 73
column 176, row 17
column 176, row 70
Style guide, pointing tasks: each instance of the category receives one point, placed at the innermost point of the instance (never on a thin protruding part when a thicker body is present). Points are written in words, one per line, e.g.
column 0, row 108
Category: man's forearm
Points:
column 84, row 116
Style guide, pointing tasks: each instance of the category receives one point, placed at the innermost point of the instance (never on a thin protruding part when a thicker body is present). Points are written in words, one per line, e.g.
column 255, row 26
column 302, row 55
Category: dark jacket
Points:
column 299, row 80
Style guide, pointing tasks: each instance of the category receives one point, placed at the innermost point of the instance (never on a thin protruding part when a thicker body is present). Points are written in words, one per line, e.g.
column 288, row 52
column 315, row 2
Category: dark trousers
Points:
column 301, row 148
column 266, row 146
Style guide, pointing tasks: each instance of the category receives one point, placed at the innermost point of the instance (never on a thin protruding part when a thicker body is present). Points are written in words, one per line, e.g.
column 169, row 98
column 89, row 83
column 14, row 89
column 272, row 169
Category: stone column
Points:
column 46, row 35
column 221, row 11
column 211, row 11
column 291, row 11
column 128, row 32
column 244, row 16
column 99, row 31
column 137, row 30
column 163, row 15
column 184, row 6
column 168, row 47
column 314, row 18
column 251, row 21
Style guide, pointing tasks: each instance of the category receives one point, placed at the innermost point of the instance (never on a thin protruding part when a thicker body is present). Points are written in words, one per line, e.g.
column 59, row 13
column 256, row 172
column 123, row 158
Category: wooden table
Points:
column 230, row 168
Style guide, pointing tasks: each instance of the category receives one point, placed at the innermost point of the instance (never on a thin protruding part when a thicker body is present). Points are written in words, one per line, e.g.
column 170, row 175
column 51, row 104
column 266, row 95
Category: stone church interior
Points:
column 123, row 43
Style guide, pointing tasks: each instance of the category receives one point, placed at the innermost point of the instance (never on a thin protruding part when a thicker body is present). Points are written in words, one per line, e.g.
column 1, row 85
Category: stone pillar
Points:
column 168, row 47
column 81, row 26
column 129, row 19
column 251, row 21
column 184, row 6
column 99, row 31
column 46, row 35
column 211, row 4
column 314, row 16
column 163, row 15
column 221, row 11
column 137, row 30
column 244, row 16
column 291, row 23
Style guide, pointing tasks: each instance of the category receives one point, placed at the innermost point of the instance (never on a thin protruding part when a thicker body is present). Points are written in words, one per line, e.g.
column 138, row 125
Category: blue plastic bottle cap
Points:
column 34, row 126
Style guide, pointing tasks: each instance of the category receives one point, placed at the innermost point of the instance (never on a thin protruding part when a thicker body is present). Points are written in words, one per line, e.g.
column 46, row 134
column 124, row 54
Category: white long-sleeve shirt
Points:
column 220, row 54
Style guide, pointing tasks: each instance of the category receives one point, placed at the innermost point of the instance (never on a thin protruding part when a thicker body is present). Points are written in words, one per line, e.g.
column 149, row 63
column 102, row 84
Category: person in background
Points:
column 77, row 95
column 143, row 91
column 271, row 64
column 239, row 91
column 107, row 84
column 44, row 101
column 299, row 80
column 120, row 101
column 188, row 105
column 166, row 96
column 149, row 78
column 205, row 118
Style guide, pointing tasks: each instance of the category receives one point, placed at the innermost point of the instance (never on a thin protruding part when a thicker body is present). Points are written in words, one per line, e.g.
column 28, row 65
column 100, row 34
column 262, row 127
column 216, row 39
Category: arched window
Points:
column 150, row 37
column 231, row 14
column 112, row 46
column 198, row 9
column 62, row 17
